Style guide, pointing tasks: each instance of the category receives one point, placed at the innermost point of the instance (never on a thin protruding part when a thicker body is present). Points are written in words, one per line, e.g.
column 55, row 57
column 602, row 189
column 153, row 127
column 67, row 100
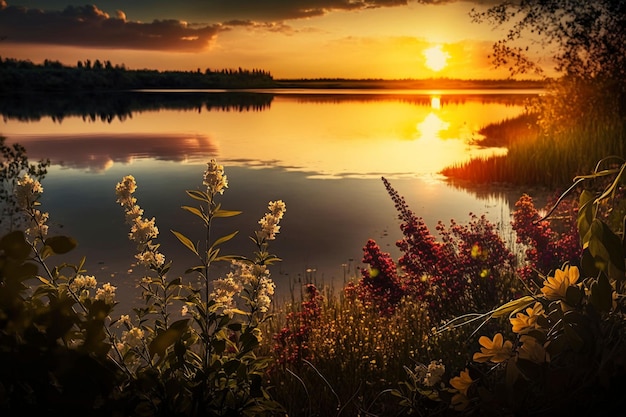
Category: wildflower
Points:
column 214, row 178
column 556, row 287
column 269, row 223
column 133, row 213
column 531, row 350
column 496, row 350
column 150, row 258
column 81, row 282
column 106, row 293
column 224, row 291
column 124, row 320
column 38, row 225
column 124, row 191
column 142, row 231
column 462, row 382
column 434, row 372
column 523, row 323
column 133, row 338
column 264, row 293
column 27, row 191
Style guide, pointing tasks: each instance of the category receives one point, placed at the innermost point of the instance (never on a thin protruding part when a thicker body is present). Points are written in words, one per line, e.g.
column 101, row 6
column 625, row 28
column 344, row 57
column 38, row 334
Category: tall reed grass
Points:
column 546, row 159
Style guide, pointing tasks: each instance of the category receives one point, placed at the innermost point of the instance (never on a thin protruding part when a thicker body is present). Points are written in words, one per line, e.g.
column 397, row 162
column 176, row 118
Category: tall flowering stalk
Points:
column 470, row 266
column 226, row 311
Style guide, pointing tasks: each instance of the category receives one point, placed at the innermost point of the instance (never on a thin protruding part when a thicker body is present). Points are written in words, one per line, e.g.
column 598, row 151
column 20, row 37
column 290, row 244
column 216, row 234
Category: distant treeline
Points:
column 24, row 75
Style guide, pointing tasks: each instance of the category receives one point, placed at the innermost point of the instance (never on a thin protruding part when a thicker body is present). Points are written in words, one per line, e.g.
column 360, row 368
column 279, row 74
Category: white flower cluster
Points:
column 81, row 284
column 142, row 230
column 430, row 375
column 27, row 191
column 269, row 222
column 214, row 178
column 133, row 338
column 106, row 293
column 255, row 278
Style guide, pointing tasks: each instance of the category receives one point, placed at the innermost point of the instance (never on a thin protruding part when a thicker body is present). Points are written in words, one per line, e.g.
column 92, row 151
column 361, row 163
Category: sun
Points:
column 436, row 58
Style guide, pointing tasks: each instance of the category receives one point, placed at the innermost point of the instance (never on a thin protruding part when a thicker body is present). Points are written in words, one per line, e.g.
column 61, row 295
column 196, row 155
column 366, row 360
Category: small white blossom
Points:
column 124, row 320
column 224, row 291
column 38, row 226
column 214, row 178
column 106, row 293
column 434, row 372
column 269, row 222
column 27, row 190
column 142, row 231
column 124, row 191
column 83, row 282
column 133, row 213
column 148, row 258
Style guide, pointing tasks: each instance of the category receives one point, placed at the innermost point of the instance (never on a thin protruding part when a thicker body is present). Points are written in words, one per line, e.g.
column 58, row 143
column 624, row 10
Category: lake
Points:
column 323, row 152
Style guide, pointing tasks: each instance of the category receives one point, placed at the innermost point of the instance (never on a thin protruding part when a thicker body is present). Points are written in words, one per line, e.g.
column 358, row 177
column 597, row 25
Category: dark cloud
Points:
column 117, row 24
column 89, row 26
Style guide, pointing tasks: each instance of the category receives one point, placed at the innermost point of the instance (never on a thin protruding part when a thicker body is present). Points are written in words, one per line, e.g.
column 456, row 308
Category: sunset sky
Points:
column 289, row 38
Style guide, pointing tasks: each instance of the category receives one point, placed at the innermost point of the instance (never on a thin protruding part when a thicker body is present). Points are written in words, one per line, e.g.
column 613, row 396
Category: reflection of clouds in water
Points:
column 98, row 152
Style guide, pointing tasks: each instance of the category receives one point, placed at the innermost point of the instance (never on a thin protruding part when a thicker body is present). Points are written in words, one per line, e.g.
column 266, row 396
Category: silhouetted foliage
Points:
column 18, row 75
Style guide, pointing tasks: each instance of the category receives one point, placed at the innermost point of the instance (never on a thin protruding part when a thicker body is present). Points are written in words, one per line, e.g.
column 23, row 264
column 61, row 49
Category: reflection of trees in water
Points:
column 110, row 106
column 518, row 99
column 506, row 193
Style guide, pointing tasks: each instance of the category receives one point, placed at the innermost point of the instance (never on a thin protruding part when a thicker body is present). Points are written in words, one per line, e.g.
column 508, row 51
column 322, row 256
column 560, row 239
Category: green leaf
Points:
column 573, row 295
column 60, row 244
column 226, row 213
column 185, row 241
column 197, row 268
column 602, row 293
column 224, row 239
column 197, row 212
column 15, row 245
column 198, row 195
column 606, row 249
column 229, row 258
column 162, row 341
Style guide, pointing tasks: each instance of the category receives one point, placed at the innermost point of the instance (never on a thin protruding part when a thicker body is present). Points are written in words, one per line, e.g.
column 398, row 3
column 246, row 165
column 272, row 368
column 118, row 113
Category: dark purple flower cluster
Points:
column 291, row 343
column 458, row 272
column 380, row 286
column 548, row 244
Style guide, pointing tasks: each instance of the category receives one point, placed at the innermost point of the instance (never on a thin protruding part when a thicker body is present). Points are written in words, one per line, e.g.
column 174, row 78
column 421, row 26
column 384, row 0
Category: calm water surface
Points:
column 322, row 152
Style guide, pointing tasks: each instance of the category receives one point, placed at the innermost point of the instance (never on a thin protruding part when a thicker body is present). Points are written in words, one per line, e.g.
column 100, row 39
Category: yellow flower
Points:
column 496, row 350
column 532, row 350
column 556, row 287
column 462, row 382
column 459, row 402
column 523, row 323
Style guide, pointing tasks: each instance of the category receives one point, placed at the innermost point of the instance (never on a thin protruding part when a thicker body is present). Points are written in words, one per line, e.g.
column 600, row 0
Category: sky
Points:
column 382, row 39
